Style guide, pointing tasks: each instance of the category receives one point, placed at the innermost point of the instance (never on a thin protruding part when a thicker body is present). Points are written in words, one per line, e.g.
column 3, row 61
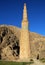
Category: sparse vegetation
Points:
column 14, row 63
column 42, row 60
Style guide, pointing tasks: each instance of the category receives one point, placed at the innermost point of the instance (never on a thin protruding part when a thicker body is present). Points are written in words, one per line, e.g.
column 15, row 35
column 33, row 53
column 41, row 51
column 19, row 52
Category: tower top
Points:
column 24, row 12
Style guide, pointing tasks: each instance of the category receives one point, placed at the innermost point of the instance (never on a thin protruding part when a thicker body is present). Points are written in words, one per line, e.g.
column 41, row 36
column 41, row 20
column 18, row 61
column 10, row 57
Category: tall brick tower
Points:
column 24, row 38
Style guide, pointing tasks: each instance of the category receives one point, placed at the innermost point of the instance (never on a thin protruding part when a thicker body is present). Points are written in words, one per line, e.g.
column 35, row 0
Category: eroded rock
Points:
column 9, row 44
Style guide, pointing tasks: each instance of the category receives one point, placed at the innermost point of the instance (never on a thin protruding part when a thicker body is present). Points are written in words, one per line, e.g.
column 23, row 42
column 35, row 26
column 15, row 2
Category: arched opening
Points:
column 37, row 56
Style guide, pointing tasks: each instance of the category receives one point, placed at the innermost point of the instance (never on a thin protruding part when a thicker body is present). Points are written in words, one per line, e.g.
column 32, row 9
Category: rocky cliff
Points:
column 10, row 47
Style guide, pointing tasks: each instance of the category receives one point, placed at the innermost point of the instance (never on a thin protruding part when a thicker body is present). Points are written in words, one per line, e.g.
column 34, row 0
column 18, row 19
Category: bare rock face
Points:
column 9, row 44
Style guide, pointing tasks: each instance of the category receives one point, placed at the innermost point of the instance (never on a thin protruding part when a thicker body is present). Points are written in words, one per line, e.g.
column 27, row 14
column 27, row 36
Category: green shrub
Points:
column 42, row 60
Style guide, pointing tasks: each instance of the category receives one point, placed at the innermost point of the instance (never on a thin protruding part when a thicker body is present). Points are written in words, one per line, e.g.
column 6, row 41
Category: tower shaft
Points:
column 24, row 38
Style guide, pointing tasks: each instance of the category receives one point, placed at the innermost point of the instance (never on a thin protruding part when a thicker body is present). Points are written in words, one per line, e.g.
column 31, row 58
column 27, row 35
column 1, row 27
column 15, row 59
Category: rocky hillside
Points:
column 9, row 42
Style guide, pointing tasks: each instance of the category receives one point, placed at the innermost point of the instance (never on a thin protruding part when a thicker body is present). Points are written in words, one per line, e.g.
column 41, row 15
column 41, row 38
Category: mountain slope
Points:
column 9, row 43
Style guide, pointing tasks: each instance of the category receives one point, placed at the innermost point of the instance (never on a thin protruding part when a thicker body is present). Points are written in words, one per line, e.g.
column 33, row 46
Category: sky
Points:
column 11, row 13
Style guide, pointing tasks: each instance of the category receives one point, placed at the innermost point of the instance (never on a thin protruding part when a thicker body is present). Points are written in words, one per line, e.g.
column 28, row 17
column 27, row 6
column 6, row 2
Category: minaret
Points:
column 24, row 38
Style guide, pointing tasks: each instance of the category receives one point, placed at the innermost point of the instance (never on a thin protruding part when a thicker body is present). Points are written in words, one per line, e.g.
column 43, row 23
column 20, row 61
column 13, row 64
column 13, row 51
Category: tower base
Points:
column 25, row 60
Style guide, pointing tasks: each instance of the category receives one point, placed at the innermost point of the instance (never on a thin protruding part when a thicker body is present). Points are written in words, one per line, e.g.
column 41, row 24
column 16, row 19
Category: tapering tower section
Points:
column 24, row 38
column 24, row 13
